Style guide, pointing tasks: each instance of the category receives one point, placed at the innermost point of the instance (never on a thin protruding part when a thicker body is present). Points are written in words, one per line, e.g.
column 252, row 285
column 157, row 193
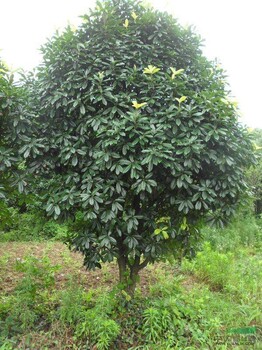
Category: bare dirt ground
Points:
column 70, row 265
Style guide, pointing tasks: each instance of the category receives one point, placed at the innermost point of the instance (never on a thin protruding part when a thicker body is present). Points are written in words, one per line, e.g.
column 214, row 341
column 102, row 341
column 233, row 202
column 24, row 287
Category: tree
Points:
column 254, row 173
column 135, row 134
column 12, row 126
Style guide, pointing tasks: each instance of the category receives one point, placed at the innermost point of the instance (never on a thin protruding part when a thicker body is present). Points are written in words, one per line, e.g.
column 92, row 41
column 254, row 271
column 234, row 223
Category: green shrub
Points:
column 89, row 314
column 172, row 323
column 71, row 309
column 139, row 124
column 211, row 266
column 31, row 226
column 95, row 324
column 98, row 329
column 54, row 230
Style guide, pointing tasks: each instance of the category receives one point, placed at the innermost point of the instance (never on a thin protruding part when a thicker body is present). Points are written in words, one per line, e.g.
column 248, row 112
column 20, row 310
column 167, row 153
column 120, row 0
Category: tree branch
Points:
column 144, row 263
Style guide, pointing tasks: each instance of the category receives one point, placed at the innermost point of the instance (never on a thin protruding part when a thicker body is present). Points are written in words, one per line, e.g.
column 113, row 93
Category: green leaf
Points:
column 57, row 210
column 74, row 160
column 82, row 109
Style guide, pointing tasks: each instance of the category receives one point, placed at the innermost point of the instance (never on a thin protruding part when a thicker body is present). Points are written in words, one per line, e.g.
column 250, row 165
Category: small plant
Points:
column 38, row 274
column 105, row 331
column 89, row 315
column 171, row 323
column 6, row 344
column 153, row 328
column 71, row 305
column 98, row 329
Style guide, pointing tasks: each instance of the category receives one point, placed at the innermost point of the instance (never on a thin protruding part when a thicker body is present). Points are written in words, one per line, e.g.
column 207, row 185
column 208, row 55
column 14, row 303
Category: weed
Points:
column 170, row 322
column 98, row 329
column 21, row 310
column 71, row 307
column 152, row 327
column 95, row 324
column 6, row 344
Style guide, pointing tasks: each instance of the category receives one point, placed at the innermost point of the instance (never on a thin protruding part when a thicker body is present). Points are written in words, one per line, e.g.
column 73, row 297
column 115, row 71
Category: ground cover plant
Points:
column 49, row 301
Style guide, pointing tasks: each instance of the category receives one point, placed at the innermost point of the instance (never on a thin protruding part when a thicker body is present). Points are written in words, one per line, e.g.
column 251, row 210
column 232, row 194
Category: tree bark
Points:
column 122, row 266
column 129, row 274
column 132, row 281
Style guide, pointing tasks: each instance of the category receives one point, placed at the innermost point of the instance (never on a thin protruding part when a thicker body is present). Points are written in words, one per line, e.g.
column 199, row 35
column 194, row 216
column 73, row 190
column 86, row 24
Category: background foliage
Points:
column 13, row 115
column 254, row 173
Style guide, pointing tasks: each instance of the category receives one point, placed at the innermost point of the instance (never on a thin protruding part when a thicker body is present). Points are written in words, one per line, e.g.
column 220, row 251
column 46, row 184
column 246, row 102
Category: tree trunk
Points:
column 129, row 274
column 132, row 280
column 128, row 271
column 258, row 207
column 122, row 266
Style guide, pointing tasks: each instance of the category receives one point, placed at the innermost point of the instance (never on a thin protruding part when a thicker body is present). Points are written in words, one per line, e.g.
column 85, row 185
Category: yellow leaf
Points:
column 257, row 147
column 181, row 99
column 157, row 231
column 134, row 15
column 73, row 28
column 138, row 105
column 151, row 70
column 165, row 219
column 161, row 231
column 234, row 103
column 175, row 72
column 165, row 234
column 101, row 75
column 184, row 225
column 126, row 23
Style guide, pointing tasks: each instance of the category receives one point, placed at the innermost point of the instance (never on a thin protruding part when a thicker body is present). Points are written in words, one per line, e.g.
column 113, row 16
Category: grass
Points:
column 49, row 301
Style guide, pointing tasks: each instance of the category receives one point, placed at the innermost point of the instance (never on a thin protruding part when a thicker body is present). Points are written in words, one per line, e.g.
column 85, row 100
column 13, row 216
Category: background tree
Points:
column 12, row 126
column 254, row 173
column 134, row 135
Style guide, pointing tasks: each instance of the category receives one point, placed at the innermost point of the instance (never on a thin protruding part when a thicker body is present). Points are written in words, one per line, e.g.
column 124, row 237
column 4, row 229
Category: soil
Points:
column 70, row 265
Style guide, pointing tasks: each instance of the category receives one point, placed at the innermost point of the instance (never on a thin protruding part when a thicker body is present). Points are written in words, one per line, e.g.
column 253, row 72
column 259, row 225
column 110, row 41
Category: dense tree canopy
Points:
column 134, row 135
